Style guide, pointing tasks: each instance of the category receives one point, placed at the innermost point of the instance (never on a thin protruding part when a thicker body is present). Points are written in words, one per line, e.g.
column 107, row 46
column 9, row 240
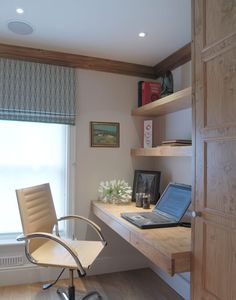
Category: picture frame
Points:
column 147, row 182
column 105, row 134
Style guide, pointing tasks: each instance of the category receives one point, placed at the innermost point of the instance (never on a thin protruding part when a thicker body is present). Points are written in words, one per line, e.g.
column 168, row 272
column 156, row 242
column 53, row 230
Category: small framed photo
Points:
column 105, row 134
column 147, row 182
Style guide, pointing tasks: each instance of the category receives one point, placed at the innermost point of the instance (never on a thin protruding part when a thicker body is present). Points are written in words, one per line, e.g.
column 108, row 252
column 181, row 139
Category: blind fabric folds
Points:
column 37, row 92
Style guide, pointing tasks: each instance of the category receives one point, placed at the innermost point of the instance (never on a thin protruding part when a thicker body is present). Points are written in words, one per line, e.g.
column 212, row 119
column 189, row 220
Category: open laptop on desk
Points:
column 168, row 211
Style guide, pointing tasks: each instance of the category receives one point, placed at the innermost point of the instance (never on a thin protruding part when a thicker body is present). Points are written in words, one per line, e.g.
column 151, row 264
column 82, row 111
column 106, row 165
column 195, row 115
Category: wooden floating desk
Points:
column 168, row 248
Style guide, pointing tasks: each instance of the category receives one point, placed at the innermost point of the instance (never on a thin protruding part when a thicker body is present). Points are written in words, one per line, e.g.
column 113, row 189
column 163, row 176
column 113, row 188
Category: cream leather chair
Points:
column 45, row 248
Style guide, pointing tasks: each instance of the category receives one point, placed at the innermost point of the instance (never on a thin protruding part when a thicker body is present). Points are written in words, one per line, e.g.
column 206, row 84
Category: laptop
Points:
column 168, row 211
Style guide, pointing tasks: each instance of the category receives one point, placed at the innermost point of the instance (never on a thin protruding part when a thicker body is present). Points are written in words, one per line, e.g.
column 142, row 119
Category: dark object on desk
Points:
column 142, row 200
column 147, row 182
column 168, row 211
column 146, row 202
column 185, row 224
column 139, row 199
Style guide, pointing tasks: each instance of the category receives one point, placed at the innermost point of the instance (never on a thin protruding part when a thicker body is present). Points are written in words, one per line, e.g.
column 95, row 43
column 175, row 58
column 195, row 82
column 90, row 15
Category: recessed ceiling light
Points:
column 142, row 34
column 20, row 27
column 19, row 10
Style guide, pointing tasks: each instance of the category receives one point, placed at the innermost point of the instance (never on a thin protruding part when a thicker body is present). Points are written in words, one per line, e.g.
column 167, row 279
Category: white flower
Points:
column 117, row 191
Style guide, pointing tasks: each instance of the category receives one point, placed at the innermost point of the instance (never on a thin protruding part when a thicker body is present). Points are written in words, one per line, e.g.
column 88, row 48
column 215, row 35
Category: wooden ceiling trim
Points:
column 75, row 61
column 173, row 61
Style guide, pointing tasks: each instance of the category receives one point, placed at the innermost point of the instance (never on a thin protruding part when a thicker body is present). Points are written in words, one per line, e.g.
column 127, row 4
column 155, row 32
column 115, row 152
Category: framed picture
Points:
column 105, row 134
column 147, row 182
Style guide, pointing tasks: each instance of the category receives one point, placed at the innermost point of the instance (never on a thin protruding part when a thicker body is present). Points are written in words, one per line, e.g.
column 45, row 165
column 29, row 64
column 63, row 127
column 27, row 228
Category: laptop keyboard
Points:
column 148, row 218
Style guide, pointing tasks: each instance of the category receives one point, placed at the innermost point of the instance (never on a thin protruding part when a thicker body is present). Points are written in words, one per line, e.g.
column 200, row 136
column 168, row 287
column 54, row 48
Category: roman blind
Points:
column 37, row 92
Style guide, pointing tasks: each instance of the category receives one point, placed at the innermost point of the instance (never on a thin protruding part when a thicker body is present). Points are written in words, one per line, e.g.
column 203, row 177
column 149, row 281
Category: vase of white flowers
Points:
column 114, row 191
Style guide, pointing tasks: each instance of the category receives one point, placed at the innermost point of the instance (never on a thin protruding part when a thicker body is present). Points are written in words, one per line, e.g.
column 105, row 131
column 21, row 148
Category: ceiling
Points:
column 101, row 28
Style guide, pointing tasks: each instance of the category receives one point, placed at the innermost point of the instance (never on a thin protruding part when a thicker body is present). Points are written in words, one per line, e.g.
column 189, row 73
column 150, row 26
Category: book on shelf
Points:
column 151, row 91
column 177, row 142
column 148, row 91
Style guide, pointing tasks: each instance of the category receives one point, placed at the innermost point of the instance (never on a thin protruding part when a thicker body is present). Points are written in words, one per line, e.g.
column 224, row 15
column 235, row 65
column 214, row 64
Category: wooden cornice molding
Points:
column 75, row 61
column 173, row 61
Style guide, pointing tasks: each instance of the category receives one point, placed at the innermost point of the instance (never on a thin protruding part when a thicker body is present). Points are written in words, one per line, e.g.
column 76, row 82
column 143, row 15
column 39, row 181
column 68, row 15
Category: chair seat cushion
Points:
column 53, row 254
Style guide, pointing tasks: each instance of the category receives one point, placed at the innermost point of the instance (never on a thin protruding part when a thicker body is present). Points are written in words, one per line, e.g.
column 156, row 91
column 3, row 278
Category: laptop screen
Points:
column 175, row 200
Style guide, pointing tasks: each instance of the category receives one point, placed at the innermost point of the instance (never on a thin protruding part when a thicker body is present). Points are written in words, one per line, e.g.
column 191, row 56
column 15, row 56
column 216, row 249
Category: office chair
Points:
column 44, row 248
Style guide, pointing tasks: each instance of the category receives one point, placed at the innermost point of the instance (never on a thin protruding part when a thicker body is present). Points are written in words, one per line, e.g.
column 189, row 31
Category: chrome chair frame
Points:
column 27, row 237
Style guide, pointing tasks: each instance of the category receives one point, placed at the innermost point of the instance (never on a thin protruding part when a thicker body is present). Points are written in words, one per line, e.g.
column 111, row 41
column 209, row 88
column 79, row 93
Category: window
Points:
column 31, row 154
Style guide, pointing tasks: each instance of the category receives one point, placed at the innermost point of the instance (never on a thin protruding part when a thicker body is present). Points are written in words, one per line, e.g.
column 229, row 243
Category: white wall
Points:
column 110, row 98
column 176, row 125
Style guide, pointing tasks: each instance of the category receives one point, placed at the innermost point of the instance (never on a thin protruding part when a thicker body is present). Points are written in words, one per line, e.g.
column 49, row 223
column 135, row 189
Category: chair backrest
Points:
column 37, row 211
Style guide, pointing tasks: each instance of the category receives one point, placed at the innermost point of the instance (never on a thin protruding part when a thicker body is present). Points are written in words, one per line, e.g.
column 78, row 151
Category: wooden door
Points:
column 214, row 113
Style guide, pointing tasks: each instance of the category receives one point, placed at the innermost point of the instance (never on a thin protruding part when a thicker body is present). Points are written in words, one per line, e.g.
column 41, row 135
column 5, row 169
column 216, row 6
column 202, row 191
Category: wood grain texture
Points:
column 169, row 248
column 163, row 151
column 219, row 47
column 214, row 110
column 75, row 61
column 175, row 60
column 174, row 102
column 222, row 18
column 220, row 74
column 94, row 63
column 131, row 285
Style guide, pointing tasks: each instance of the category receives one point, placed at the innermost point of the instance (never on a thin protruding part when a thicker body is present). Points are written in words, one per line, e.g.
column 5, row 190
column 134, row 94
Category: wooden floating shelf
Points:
column 163, row 151
column 174, row 102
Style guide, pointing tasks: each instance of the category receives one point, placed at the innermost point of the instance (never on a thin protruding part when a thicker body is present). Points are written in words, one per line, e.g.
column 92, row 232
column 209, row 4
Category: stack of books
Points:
column 177, row 143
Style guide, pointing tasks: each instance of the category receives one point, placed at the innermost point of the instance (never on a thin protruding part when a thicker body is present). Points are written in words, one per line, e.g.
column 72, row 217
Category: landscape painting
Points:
column 105, row 134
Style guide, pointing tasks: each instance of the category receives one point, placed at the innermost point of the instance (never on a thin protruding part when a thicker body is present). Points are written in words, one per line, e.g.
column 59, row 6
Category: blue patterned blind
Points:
column 37, row 92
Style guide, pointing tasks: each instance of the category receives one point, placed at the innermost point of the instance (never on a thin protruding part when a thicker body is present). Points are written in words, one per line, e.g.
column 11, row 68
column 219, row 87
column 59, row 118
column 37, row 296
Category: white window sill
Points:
column 9, row 239
column 10, row 242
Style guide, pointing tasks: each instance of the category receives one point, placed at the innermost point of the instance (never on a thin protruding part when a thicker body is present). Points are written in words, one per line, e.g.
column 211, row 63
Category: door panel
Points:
column 214, row 111
column 222, row 17
column 220, row 169
column 216, row 261
column 220, row 89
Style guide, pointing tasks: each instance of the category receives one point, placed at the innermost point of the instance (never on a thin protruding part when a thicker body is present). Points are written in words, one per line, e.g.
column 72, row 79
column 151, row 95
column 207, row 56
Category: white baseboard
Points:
column 30, row 273
column 179, row 282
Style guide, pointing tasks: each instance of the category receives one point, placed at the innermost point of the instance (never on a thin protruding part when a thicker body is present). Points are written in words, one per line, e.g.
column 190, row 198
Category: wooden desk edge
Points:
column 170, row 262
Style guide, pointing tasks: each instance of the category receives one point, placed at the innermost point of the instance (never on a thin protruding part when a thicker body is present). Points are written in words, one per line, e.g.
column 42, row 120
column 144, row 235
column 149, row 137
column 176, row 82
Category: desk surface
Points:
column 168, row 248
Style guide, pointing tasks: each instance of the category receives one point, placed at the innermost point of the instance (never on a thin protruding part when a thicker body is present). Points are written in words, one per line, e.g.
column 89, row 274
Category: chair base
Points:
column 70, row 294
